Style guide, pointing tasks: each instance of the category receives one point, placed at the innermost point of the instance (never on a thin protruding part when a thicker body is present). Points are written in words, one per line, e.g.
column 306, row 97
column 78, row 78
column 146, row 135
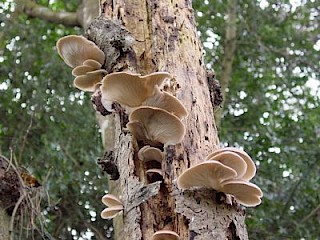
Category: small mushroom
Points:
column 154, row 174
column 155, row 126
column 74, row 50
column 111, row 200
column 130, row 89
column 111, row 212
column 82, row 70
column 232, row 160
column 251, row 168
column 88, row 82
column 167, row 102
column 165, row 235
column 92, row 63
column 246, row 193
column 206, row 174
column 148, row 153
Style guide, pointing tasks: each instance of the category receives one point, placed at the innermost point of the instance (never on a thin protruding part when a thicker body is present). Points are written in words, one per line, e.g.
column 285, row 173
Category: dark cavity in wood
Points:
column 216, row 96
column 108, row 165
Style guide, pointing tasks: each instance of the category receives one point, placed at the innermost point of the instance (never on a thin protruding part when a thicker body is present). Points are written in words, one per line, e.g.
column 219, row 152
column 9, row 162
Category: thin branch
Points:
column 33, row 9
column 313, row 212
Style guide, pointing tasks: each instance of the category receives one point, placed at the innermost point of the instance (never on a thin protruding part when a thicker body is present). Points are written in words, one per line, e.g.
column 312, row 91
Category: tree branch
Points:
column 33, row 9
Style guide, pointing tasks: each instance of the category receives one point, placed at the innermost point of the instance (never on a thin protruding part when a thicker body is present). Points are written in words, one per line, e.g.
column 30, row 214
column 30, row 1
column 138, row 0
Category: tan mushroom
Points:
column 92, row 63
column 111, row 200
column 131, row 89
column 111, row 212
column 251, row 168
column 88, row 82
column 246, row 193
column 154, row 171
column 82, row 70
column 74, row 50
column 156, row 126
column 148, row 153
column 206, row 174
column 167, row 102
column 232, row 160
column 165, row 235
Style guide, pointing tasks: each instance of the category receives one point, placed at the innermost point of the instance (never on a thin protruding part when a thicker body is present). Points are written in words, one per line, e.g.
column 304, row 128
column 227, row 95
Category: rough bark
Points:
column 165, row 40
column 229, row 53
column 5, row 224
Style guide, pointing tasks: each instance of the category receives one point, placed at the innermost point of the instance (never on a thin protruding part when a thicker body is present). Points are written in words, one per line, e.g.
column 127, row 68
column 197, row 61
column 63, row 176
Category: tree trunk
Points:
column 165, row 40
column 4, row 224
column 229, row 52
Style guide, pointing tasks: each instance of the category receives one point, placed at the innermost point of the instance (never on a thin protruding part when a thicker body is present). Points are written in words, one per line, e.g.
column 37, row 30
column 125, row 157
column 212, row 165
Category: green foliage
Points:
column 270, row 109
column 48, row 125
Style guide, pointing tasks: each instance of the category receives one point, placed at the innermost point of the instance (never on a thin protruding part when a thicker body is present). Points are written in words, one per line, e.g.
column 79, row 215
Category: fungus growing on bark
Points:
column 110, row 200
column 165, row 235
column 88, row 83
column 130, row 89
column 74, row 50
column 111, row 212
column 233, row 161
column 114, row 205
column 92, row 63
column 167, row 102
column 251, row 168
column 206, row 174
column 246, row 193
column 148, row 153
column 155, row 126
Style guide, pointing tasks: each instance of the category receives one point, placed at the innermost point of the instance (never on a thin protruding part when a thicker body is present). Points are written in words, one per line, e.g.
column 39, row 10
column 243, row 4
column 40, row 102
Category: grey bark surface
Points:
column 165, row 39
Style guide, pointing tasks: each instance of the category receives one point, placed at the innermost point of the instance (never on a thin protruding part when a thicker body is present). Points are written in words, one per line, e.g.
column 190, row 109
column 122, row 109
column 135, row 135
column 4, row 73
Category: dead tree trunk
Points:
column 165, row 39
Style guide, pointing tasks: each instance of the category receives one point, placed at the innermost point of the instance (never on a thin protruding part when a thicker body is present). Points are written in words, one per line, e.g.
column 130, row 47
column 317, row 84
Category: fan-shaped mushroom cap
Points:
column 206, row 174
column 111, row 212
column 82, row 70
column 251, row 167
column 154, row 171
column 131, row 89
column 76, row 49
column 248, row 194
column 232, row 160
column 92, row 63
column 156, row 126
column 167, row 102
column 111, row 200
column 88, row 82
column 148, row 153
column 165, row 235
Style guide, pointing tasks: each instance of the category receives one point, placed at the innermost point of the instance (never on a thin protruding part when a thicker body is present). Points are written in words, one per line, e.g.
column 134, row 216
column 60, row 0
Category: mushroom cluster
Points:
column 154, row 115
column 114, row 205
column 152, row 158
column 85, row 58
column 227, row 170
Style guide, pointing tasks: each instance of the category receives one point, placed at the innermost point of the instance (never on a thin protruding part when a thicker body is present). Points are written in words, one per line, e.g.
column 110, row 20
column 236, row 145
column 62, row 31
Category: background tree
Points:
column 269, row 110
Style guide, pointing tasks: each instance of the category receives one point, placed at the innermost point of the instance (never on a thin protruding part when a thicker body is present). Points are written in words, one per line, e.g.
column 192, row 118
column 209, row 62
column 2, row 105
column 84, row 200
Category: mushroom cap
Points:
column 156, row 126
column 167, row 102
column 165, row 235
column 111, row 212
column 111, row 200
column 92, row 63
column 251, row 167
column 87, row 82
column 131, row 89
column 148, row 153
column 246, row 193
column 206, row 174
column 232, row 160
column 82, row 70
column 154, row 171
column 76, row 49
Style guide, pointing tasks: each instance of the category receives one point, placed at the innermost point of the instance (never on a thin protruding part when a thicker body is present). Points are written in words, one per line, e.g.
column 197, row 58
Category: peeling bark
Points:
column 165, row 39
